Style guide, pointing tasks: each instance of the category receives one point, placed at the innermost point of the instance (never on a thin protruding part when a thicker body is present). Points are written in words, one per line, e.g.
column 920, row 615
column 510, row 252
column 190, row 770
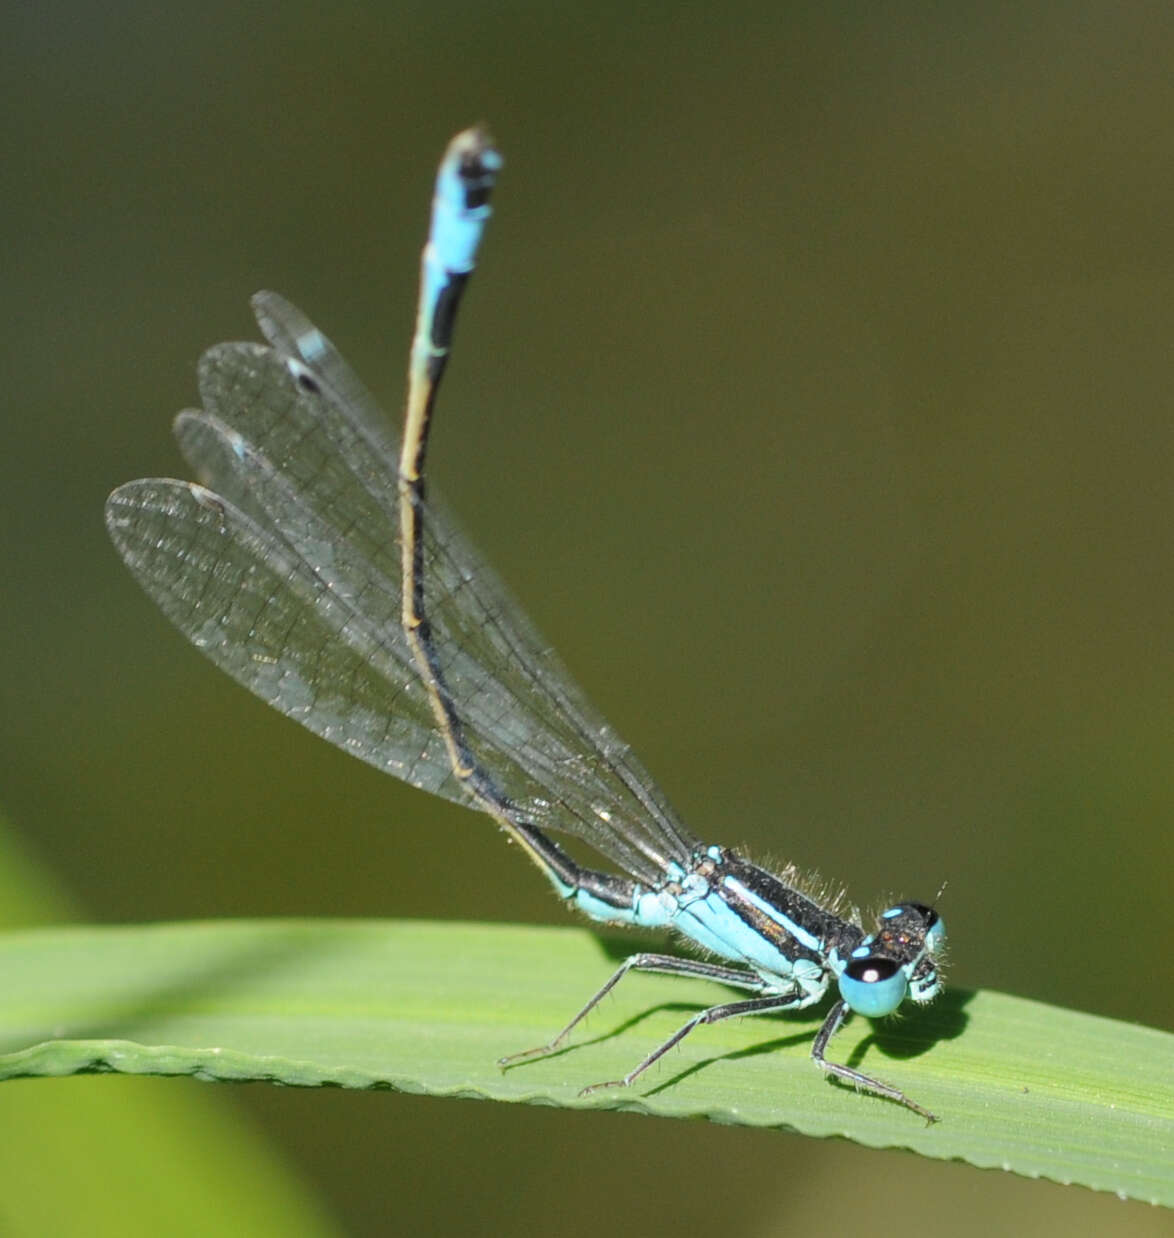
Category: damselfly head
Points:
column 899, row 960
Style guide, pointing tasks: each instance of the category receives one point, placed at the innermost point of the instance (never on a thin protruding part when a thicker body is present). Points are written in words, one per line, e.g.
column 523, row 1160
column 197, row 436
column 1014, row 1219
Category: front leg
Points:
column 862, row 1082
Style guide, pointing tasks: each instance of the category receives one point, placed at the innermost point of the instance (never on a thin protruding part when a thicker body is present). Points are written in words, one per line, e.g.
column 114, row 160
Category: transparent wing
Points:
column 285, row 571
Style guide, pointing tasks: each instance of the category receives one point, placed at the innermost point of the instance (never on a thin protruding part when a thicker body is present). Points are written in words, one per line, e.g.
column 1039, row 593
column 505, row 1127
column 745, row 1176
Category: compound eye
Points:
column 873, row 986
column 935, row 935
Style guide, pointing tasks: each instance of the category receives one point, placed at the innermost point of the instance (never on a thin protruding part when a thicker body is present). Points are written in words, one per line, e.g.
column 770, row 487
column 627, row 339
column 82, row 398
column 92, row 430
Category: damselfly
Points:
column 313, row 569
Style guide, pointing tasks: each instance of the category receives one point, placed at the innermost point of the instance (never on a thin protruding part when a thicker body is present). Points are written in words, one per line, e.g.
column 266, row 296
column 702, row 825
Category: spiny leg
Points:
column 715, row 1014
column 862, row 1082
column 665, row 964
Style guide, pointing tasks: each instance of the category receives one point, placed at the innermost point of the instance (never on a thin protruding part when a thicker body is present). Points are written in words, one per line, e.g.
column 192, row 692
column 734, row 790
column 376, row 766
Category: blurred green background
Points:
column 813, row 394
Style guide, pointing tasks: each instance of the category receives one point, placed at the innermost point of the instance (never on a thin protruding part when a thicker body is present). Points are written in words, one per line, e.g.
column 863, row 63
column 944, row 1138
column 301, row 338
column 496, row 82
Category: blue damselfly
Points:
column 311, row 566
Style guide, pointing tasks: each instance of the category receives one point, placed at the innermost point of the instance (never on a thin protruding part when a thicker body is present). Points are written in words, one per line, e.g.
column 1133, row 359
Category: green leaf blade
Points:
column 429, row 1008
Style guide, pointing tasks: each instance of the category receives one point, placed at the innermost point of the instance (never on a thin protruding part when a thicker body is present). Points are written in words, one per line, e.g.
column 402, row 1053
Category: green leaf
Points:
column 427, row 1007
column 83, row 1157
